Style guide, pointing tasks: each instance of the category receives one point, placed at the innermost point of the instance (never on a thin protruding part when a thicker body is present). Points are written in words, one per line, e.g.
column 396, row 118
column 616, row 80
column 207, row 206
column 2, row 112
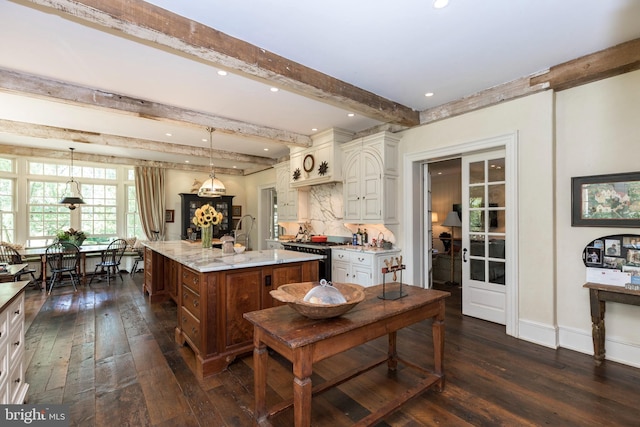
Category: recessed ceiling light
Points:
column 351, row 114
column 266, row 149
column 204, row 140
column 274, row 89
column 428, row 94
column 222, row 73
column 168, row 134
column 314, row 129
column 439, row 4
column 186, row 161
column 235, row 167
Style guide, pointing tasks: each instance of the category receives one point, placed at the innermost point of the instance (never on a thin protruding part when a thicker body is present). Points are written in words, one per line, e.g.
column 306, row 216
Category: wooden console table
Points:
column 304, row 341
column 598, row 295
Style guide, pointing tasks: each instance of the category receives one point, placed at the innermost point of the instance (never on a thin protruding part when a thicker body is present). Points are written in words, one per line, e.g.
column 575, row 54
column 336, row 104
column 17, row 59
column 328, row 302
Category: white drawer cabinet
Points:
column 13, row 388
column 359, row 267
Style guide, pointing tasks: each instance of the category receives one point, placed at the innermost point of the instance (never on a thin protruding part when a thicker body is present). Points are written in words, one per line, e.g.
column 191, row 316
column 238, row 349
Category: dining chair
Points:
column 138, row 259
column 110, row 261
column 9, row 255
column 63, row 257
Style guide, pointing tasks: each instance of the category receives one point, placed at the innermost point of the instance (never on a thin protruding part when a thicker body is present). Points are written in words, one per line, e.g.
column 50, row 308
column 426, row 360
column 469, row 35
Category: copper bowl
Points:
column 293, row 294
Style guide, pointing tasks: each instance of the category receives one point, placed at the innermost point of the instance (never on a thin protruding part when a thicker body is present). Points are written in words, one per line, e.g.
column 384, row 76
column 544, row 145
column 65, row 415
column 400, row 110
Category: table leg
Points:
column 437, row 330
column 392, row 361
column 43, row 271
column 302, row 387
column 260, row 358
column 597, row 325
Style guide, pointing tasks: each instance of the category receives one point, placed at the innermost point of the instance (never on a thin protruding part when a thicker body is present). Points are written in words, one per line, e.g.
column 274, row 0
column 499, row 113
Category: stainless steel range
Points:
column 323, row 248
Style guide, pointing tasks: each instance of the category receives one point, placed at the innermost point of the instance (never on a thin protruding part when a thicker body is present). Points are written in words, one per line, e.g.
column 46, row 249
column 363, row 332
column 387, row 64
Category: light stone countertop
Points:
column 366, row 249
column 195, row 257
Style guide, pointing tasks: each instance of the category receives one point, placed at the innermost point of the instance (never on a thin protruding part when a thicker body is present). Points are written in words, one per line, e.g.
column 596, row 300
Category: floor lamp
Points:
column 452, row 220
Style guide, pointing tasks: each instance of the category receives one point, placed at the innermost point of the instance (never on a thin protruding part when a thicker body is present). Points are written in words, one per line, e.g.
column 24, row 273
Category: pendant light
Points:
column 212, row 187
column 71, row 200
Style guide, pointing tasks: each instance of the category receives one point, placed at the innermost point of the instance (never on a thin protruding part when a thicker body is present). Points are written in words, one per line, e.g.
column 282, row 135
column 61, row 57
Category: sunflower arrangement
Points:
column 206, row 216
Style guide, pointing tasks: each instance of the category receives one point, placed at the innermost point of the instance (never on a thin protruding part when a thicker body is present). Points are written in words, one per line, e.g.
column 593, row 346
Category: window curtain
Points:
column 151, row 201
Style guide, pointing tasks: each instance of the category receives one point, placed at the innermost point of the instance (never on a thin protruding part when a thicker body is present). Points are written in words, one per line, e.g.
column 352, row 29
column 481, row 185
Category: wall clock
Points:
column 308, row 163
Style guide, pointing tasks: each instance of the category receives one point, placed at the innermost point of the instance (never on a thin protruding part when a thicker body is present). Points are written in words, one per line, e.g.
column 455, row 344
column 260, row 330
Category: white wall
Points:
column 532, row 119
column 598, row 132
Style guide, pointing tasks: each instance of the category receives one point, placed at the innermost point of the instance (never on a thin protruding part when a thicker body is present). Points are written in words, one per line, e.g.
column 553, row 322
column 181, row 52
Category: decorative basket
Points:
column 293, row 294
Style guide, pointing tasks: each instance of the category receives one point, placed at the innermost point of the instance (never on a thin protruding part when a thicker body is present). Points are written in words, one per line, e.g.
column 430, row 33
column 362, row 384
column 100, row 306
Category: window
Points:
column 7, row 211
column 46, row 216
column 99, row 213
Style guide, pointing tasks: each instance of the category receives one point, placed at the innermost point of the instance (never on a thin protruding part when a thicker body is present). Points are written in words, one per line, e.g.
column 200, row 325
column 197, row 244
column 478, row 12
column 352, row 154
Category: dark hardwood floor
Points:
column 111, row 356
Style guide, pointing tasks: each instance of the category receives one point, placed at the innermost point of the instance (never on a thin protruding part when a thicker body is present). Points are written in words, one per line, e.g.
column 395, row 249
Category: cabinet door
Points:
column 340, row 271
column 361, row 275
column 352, row 188
column 243, row 294
column 371, row 188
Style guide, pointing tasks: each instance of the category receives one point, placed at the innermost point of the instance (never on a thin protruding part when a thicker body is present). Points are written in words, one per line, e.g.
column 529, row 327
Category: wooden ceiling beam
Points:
column 158, row 26
column 603, row 64
column 39, row 87
column 51, row 132
column 46, row 153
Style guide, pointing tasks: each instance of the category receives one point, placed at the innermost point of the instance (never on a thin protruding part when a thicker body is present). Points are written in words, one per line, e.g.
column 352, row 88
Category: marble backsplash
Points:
column 326, row 208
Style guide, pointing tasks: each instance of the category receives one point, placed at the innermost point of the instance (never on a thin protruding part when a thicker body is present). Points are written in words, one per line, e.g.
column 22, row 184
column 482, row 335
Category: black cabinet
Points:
column 191, row 202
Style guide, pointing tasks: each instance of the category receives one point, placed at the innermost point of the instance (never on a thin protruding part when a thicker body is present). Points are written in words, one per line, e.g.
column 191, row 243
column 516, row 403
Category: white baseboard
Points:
column 579, row 340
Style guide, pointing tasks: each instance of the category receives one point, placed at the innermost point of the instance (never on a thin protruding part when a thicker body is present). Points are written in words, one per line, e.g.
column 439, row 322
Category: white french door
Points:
column 484, row 190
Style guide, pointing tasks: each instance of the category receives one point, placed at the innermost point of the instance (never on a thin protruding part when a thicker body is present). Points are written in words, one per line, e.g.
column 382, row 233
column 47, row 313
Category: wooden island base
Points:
column 305, row 341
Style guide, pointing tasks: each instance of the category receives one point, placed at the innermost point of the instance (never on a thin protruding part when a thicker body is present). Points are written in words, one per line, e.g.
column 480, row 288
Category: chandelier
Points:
column 212, row 187
column 71, row 200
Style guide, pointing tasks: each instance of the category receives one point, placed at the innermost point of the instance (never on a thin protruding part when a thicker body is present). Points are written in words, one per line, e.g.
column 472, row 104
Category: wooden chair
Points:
column 9, row 255
column 139, row 259
column 63, row 257
column 110, row 262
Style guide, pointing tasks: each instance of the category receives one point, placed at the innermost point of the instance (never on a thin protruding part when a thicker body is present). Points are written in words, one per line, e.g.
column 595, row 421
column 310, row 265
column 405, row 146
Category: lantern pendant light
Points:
column 72, row 200
column 212, row 187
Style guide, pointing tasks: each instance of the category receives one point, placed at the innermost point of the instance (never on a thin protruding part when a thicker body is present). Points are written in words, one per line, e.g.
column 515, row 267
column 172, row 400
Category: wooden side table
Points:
column 598, row 295
column 305, row 341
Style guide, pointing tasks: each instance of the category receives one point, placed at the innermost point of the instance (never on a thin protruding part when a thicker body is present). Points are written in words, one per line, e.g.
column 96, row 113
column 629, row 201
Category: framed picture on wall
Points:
column 236, row 211
column 169, row 215
column 606, row 200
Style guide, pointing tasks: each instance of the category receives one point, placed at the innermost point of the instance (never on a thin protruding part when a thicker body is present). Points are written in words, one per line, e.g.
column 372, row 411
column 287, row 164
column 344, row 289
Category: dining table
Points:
column 85, row 250
column 8, row 272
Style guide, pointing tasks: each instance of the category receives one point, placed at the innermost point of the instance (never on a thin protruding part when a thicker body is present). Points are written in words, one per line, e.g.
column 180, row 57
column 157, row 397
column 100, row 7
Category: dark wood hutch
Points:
column 191, row 202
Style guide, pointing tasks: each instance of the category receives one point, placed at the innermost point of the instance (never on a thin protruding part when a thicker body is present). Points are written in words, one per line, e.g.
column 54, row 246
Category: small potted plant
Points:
column 73, row 236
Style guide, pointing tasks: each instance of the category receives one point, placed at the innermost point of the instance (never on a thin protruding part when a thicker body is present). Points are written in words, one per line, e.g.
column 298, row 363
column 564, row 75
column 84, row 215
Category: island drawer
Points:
column 191, row 328
column 191, row 301
column 191, row 279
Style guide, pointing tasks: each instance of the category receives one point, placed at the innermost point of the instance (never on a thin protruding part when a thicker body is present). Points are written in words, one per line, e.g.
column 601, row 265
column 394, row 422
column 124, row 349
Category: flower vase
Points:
column 207, row 234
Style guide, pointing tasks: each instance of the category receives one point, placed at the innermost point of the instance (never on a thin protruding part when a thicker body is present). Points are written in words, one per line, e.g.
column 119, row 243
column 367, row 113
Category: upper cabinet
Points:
column 321, row 163
column 293, row 204
column 370, row 176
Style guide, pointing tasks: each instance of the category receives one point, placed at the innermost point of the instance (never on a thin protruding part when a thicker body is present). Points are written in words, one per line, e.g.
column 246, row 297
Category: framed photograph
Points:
column 594, row 256
column 236, row 211
column 606, row 200
column 612, row 247
column 235, row 223
column 633, row 257
column 169, row 215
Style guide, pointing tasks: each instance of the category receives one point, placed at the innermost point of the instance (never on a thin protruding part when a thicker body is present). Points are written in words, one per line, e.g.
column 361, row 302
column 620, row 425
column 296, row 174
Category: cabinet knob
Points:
column 17, row 343
column 196, row 302
column 17, row 311
column 193, row 330
column 17, row 380
column 360, row 259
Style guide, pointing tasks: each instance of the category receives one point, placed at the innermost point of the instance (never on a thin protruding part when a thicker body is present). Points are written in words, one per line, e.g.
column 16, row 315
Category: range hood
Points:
column 321, row 163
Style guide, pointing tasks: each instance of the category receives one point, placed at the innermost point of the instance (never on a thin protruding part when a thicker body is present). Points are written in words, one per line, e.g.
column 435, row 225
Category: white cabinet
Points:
column 359, row 267
column 370, row 177
column 292, row 202
column 13, row 387
column 323, row 160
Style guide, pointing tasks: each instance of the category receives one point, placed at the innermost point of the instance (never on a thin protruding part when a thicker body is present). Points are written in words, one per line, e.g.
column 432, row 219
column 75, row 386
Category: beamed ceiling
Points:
column 138, row 82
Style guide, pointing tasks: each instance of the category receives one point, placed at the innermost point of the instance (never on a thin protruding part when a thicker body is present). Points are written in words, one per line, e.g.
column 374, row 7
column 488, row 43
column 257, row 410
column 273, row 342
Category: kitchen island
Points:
column 213, row 290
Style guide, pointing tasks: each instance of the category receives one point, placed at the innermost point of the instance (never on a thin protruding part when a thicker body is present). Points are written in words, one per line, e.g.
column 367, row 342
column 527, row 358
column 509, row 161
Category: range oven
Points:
column 323, row 249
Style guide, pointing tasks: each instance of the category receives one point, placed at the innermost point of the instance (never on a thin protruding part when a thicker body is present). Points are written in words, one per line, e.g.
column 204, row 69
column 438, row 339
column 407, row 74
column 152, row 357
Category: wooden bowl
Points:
column 293, row 294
